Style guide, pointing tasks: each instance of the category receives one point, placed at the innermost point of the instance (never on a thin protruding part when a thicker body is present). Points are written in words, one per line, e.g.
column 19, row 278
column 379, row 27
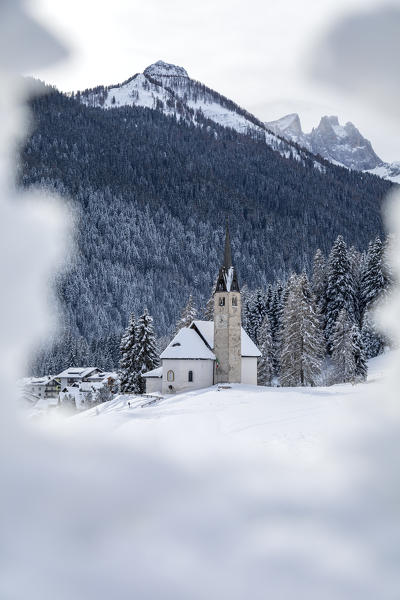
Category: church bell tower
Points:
column 227, row 321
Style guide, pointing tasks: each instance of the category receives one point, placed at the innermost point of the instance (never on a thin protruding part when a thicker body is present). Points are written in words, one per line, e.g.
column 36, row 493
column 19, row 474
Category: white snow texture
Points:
column 239, row 493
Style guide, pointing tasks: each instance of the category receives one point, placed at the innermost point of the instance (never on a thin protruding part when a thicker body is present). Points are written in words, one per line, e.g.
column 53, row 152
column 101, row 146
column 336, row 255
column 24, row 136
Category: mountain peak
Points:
column 339, row 144
column 332, row 120
column 164, row 69
column 288, row 125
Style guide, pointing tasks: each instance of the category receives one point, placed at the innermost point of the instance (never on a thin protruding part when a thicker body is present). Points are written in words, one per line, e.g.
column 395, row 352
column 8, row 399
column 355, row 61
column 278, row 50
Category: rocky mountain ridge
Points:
column 340, row 144
column 169, row 89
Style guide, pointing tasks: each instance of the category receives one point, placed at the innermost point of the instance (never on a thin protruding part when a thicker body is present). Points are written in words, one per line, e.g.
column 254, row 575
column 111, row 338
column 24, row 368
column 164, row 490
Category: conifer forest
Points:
column 149, row 197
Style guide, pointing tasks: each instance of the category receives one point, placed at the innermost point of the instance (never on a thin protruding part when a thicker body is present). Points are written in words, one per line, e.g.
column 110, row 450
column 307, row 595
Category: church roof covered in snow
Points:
column 206, row 330
column 153, row 373
column 187, row 344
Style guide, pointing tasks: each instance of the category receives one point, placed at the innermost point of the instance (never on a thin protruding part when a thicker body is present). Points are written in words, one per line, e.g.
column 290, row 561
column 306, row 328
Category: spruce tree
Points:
column 372, row 340
column 374, row 279
column 319, row 280
column 128, row 366
column 257, row 309
column 188, row 315
column 356, row 261
column 302, row 345
column 145, row 349
column 340, row 293
column 209, row 309
column 313, row 339
column 267, row 358
column 361, row 367
column 343, row 355
column 276, row 317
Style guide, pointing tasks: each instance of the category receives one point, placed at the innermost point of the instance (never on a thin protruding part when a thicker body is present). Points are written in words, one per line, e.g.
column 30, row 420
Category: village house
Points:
column 75, row 375
column 41, row 387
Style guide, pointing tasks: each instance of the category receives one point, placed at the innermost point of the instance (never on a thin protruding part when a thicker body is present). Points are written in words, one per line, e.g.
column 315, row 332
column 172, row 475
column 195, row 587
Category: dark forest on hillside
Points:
column 151, row 196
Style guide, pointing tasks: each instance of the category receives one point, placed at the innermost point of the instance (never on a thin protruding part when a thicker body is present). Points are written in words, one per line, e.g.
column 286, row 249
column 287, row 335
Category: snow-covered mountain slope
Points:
column 340, row 144
column 389, row 171
column 168, row 88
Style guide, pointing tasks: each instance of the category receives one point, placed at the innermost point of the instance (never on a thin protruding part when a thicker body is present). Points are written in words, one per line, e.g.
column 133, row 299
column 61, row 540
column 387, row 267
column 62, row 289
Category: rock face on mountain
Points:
column 162, row 69
column 289, row 127
column 343, row 144
column 340, row 144
column 169, row 89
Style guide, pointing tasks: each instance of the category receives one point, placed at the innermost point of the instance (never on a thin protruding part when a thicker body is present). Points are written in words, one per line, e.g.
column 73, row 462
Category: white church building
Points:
column 209, row 352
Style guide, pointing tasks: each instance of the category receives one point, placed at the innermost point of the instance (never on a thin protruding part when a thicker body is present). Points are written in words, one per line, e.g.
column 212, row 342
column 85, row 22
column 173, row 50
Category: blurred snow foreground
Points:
column 86, row 514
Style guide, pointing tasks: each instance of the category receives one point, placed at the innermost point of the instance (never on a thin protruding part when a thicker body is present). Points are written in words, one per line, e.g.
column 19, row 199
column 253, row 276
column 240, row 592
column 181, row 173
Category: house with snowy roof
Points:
column 75, row 375
column 209, row 352
column 41, row 387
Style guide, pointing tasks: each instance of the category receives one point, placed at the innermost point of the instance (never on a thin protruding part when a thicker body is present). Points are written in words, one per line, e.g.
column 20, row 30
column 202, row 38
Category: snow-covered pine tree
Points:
column 386, row 263
column 276, row 317
column 372, row 340
column 313, row 338
column 267, row 358
column 340, row 293
column 301, row 340
column 373, row 280
column 245, row 299
column 71, row 352
column 356, row 261
column 343, row 355
column 256, row 312
column 188, row 315
column 290, row 357
column 209, row 309
column 269, row 298
column 145, row 349
column 319, row 280
column 103, row 394
column 128, row 366
column 361, row 366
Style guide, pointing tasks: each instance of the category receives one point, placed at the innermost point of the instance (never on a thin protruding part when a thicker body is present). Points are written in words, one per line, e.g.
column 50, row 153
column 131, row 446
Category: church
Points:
column 209, row 352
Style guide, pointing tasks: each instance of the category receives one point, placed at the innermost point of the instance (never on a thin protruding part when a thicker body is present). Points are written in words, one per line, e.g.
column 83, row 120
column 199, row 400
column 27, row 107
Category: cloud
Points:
column 36, row 46
column 359, row 56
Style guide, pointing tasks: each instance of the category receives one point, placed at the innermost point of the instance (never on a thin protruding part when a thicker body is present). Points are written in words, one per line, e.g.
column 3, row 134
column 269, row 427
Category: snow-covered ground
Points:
column 300, row 422
column 238, row 493
column 292, row 417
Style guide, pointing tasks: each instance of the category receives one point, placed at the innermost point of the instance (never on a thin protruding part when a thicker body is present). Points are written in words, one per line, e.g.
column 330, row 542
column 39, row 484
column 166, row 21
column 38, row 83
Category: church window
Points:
column 170, row 376
column 190, row 376
column 222, row 301
column 234, row 301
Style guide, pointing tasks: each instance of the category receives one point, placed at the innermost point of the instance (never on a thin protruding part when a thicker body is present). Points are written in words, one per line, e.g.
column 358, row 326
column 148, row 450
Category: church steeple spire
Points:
column 228, row 252
column 227, row 277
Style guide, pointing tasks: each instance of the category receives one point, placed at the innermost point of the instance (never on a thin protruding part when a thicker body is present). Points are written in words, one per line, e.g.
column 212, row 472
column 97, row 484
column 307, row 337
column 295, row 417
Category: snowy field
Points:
column 238, row 493
column 293, row 421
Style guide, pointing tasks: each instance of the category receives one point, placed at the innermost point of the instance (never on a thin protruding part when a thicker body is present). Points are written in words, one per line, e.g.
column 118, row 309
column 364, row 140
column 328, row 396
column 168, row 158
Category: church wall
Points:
column 153, row 384
column 203, row 372
column 249, row 370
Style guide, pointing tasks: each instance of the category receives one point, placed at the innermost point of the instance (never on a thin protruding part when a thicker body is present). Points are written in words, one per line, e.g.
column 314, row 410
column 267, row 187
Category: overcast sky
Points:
column 253, row 51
